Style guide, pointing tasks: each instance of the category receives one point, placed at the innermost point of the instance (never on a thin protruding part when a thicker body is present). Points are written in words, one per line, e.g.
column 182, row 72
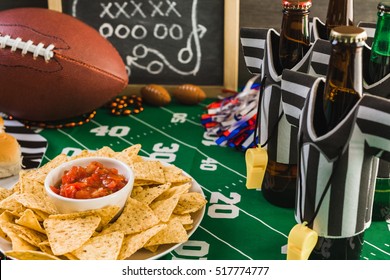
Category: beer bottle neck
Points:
column 344, row 84
column 340, row 12
column 381, row 45
column 345, row 67
column 294, row 37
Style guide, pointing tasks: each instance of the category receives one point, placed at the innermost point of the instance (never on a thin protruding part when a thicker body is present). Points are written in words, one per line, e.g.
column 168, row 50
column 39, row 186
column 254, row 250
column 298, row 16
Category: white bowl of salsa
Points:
column 89, row 183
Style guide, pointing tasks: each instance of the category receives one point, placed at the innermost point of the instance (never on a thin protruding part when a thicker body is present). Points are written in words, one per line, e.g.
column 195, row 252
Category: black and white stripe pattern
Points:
column 318, row 30
column 280, row 136
column 344, row 155
column 33, row 145
column 253, row 44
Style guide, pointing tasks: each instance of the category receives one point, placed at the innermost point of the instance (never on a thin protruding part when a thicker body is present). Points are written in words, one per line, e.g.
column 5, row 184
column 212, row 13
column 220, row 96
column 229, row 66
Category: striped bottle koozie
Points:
column 343, row 157
column 318, row 30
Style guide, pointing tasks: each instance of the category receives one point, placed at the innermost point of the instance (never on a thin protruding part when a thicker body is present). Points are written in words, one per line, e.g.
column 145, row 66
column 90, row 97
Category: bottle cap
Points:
column 384, row 7
column 297, row 5
column 348, row 34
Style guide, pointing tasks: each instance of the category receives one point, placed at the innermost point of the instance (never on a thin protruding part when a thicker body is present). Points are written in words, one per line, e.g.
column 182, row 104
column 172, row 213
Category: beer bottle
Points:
column 340, row 12
column 344, row 78
column 343, row 89
column 379, row 64
column 294, row 35
column 279, row 184
column 378, row 68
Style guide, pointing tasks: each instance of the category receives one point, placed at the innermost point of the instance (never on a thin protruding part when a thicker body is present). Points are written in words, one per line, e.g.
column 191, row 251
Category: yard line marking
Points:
column 123, row 139
column 228, row 244
column 264, row 223
column 187, row 120
column 71, row 137
column 379, row 249
column 185, row 144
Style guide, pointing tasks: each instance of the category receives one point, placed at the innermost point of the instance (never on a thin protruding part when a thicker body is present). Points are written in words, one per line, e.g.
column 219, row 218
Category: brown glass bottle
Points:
column 340, row 12
column 344, row 80
column 294, row 34
column 343, row 89
column 279, row 184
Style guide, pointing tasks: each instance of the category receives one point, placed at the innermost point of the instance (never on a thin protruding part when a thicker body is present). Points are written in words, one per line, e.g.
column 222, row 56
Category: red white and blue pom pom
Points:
column 232, row 120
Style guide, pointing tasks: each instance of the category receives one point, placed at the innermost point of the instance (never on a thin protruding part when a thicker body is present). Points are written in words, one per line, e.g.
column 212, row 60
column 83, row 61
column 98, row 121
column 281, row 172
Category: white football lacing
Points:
column 29, row 46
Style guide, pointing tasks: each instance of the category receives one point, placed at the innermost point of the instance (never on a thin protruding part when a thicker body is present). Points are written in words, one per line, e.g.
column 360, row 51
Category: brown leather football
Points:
column 53, row 66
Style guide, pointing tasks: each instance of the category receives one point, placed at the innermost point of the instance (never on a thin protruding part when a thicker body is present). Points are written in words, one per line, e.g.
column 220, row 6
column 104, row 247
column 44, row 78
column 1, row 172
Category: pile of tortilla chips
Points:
column 157, row 212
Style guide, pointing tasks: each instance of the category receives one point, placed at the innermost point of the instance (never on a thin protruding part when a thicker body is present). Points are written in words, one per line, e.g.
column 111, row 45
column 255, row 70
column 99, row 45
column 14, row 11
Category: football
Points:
column 189, row 94
column 155, row 95
column 53, row 66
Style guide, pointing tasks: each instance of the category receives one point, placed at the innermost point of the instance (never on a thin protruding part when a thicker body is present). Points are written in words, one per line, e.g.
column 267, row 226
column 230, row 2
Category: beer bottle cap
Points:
column 296, row 5
column 348, row 34
column 384, row 7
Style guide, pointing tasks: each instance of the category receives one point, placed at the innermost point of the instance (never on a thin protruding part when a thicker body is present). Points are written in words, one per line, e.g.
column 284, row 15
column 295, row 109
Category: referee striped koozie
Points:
column 33, row 145
column 318, row 30
column 343, row 157
column 260, row 48
column 276, row 135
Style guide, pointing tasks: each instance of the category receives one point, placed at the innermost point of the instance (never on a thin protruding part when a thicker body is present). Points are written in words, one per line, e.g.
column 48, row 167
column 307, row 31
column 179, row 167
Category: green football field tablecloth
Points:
column 238, row 223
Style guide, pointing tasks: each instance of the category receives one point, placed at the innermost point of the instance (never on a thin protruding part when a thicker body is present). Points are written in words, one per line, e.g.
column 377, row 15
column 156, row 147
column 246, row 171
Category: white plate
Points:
column 144, row 254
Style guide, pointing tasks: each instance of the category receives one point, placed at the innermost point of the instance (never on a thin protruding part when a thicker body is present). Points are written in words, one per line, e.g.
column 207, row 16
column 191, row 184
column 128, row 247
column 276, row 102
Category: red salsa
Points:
column 91, row 181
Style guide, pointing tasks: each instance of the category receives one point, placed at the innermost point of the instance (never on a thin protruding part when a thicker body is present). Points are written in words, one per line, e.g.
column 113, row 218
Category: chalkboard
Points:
column 10, row 4
column 168, row 42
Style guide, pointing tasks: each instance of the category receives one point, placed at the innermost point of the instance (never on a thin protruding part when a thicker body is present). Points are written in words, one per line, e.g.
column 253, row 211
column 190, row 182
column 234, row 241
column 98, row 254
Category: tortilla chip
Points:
column 31, row 236
column 30, row 220
column 30, row 255
column 173, row 233
column 189, row 203
column 129, row 155
column 136, row 217
column 6, row 216
column 148, row 172
column 164, row 208
column 40, row 173
column 148, row 194
column 12, row 205
column 153, row 248
column 175, row 175
column 17, row 242
column 184, row 219
column 133, row 243
column 66, row 235
column 184, row 188
column 32, row 201
column 36, row 188
column 102, row 247
column 106, row 214
column 103, row 152
column 4, row 193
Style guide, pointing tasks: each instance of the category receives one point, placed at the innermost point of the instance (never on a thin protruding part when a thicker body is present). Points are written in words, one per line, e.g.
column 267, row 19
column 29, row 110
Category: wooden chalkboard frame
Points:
column 231, row 50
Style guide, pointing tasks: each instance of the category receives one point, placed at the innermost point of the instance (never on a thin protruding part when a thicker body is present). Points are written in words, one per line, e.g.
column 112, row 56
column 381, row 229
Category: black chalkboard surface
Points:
column 167, row 42
column 10, row 4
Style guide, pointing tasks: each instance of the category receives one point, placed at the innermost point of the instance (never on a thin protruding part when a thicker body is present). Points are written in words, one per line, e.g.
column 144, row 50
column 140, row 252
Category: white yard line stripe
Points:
column 185, row 144
column 121, row 138
column 187, row 120
column 71, row 137
column 379, row 249
column 223, row 241
column 264, row 223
